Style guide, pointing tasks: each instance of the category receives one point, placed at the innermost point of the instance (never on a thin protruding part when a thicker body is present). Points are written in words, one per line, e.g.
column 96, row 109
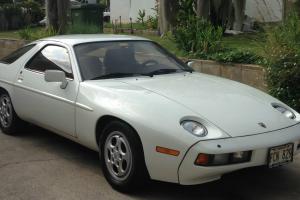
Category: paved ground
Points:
column 41, row 166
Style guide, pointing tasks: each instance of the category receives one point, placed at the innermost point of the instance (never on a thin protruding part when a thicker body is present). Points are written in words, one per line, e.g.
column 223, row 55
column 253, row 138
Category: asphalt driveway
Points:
column 39, row 165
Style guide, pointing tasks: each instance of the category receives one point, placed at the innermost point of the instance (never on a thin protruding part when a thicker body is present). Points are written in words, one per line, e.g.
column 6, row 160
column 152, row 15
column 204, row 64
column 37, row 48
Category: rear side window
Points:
column 51, row 58
column 11, row 58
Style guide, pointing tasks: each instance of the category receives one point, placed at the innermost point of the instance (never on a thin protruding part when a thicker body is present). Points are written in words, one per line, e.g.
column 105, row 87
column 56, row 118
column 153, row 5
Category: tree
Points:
column 167, row 11
column 203, row 7
column 56, row 14
column 62, row 8
column 225, row 13
column 239, row 14
column 6, row 1
column 220, row 12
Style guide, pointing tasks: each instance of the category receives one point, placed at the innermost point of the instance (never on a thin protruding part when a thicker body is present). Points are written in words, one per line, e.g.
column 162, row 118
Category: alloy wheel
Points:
column 6, row 111
column 118, row 155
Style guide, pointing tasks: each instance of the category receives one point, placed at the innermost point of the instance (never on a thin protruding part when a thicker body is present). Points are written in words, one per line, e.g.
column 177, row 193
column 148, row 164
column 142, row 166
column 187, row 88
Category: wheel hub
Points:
column 118, row 156
column 5, row 111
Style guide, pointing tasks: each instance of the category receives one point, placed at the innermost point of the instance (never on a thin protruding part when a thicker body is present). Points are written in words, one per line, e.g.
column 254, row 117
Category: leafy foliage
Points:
column 235, row 56
column 34, row 34
column 24, row 13
column 6, row 1
column 33, row 8
column 152, row 22
column 11, row 17
column 282, row 55
column 141, row 17
column 198, row 36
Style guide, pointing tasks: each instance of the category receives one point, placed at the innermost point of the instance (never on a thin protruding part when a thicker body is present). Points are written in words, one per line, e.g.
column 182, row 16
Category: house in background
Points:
column 130, row 8
column 265, row 10
column 260, row 10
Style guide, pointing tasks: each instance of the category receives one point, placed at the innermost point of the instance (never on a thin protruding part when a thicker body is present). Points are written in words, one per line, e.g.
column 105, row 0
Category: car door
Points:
column 45, row 103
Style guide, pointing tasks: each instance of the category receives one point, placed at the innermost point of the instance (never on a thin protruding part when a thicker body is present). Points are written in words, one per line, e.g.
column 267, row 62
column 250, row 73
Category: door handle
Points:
column 20, row 78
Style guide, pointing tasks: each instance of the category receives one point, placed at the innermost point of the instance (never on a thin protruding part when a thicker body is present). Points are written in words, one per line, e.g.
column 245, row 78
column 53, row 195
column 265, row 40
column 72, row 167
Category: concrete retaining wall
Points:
column 9, row 45
column 252, row 75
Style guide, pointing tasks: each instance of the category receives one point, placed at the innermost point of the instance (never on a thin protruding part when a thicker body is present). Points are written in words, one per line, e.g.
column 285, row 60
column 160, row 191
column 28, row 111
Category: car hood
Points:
column 235, row 108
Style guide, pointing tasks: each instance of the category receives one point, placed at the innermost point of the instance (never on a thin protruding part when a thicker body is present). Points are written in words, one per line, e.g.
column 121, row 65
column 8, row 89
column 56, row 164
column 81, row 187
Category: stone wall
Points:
column 252, row 75
column 9, row 45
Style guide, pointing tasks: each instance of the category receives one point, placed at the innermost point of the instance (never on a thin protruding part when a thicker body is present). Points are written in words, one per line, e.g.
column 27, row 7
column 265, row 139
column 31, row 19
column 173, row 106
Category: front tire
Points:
column 9, row 121
column 122, row 157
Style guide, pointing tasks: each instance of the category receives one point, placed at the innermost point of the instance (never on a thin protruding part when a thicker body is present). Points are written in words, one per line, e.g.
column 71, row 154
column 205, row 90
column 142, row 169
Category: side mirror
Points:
column 190, row 63
column 56, row 76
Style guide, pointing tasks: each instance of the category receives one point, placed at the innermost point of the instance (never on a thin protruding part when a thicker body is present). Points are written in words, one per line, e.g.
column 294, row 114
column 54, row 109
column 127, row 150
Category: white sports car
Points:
column 146, row 112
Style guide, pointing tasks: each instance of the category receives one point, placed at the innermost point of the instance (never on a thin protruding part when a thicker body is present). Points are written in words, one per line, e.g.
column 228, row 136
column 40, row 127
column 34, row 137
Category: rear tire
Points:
column 122, row 157
column 10, row 123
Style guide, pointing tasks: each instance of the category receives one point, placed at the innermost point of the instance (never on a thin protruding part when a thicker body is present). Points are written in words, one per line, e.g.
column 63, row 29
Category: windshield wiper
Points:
column 115, row 75
column 189, row 70
column 162, row 71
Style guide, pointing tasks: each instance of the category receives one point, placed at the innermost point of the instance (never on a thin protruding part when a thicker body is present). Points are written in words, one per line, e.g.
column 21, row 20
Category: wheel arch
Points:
column 104, row 120
column 2, row 90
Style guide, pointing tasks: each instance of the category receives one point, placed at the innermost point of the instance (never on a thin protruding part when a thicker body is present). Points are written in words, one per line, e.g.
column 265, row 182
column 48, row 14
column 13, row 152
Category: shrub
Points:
column 141, row 17
column 198, row 36
column 152, row 22
column 34, row 10
column 35, row 34
column 12, row 17
column 282, row 55
column 236, row 56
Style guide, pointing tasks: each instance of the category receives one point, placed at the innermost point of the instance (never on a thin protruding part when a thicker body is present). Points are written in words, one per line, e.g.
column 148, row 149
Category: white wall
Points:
column 130, row 8
column 261, row 10
column 265, row 10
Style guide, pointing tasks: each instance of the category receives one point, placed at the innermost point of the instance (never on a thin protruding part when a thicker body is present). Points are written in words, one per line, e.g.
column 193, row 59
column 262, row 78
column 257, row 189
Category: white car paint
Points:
column 154, row 107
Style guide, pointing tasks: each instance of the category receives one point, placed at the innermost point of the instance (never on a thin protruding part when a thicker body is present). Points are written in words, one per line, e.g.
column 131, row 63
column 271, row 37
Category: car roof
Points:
column 87, row 38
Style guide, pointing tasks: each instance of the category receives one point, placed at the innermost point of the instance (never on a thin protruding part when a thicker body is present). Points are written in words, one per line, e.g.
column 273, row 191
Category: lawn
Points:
column 10, row 35
column 245, row 42
column 248, row 41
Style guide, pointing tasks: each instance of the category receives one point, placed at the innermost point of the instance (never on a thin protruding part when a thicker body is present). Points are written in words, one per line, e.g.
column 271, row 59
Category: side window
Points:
column 17, row 54
column 51, row 58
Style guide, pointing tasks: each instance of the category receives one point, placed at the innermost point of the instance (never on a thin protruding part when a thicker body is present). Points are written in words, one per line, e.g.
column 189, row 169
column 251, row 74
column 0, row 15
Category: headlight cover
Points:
column 194, row 128
column 285, row 111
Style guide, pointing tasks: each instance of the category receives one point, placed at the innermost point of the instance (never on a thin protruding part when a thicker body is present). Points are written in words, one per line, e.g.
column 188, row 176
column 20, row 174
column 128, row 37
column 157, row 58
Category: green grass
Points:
column 245, row 42
column 166, row 43
column 10, row 34
column 135, row 26
column 248, row 42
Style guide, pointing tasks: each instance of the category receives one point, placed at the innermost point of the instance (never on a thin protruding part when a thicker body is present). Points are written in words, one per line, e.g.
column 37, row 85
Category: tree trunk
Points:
column 51, row 14
column 220, row 12
column 56, row 14
column 239, row 13
column 167, row 15
column 203, row 8
column 62, row 10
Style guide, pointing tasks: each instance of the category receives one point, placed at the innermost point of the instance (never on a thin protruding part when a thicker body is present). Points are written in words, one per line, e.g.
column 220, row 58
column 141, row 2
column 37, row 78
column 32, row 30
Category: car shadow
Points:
column 254, row 183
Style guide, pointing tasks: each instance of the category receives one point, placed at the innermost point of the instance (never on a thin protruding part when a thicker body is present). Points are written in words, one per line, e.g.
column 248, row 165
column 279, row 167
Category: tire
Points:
column 122, row 157
column 10, row 123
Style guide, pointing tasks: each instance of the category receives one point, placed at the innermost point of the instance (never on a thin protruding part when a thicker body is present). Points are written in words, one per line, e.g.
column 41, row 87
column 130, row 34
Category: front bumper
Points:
column 190, row 174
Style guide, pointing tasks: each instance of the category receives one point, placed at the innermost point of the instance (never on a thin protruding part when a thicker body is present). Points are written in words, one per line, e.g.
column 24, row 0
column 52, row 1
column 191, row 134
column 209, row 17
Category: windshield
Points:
column 101, row 60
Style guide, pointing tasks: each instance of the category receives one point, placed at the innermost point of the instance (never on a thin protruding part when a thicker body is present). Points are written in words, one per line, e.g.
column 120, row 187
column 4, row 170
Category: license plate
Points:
column 281, row 155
